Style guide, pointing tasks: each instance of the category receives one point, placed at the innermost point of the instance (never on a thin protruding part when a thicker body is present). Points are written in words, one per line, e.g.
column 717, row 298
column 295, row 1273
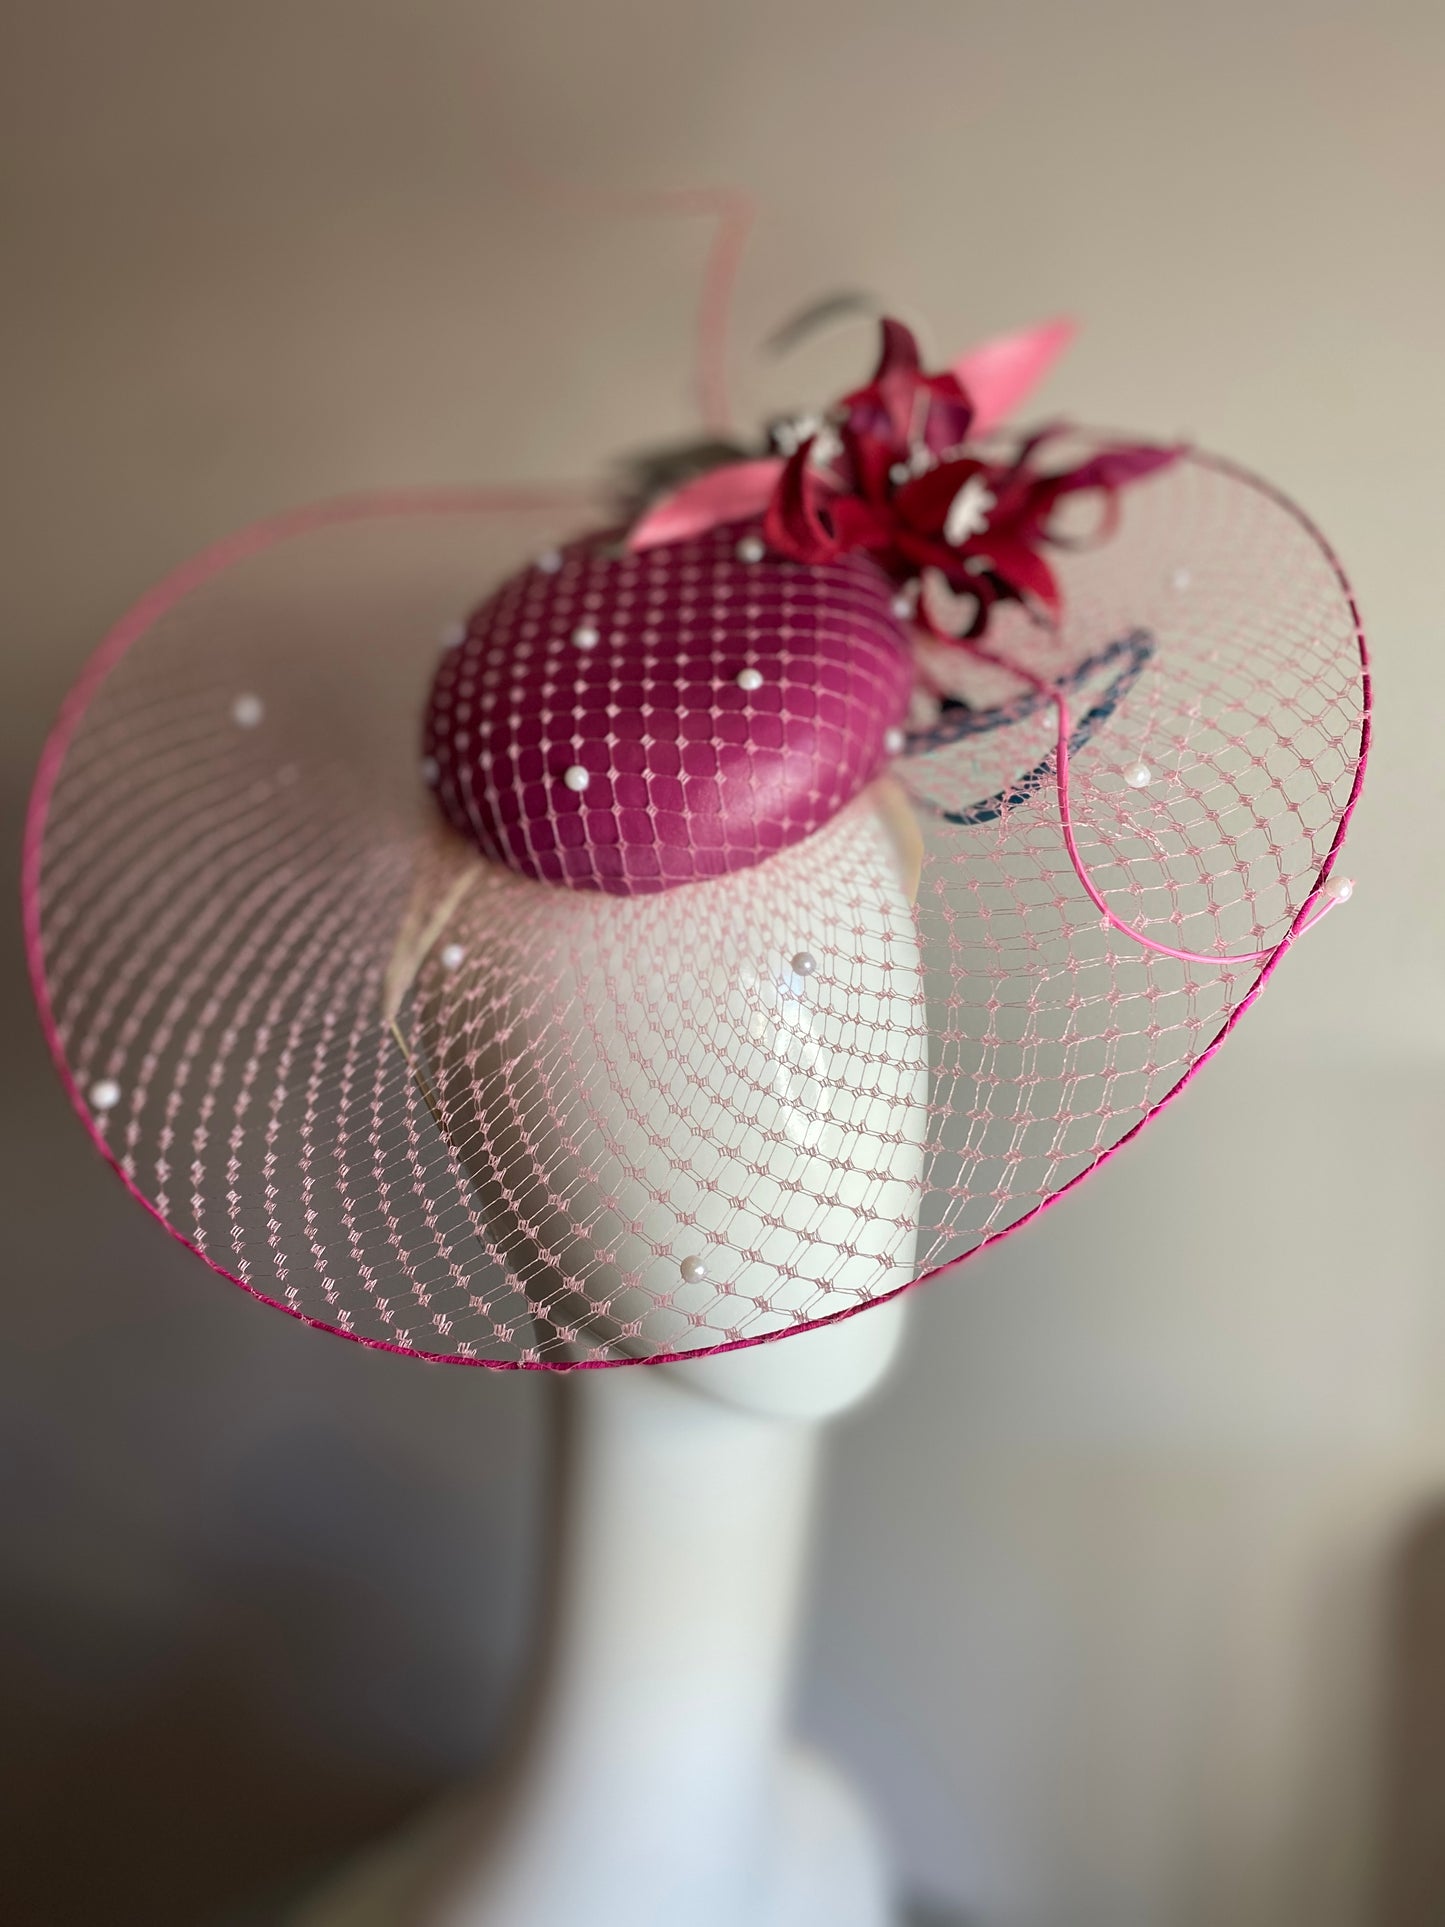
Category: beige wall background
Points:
column 1131, row 1601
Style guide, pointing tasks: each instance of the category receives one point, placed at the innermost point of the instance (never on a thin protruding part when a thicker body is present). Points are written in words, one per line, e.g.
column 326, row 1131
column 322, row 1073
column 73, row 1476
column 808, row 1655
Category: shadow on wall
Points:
column 164, row 1774
column 168, row 1816
column 1412, row 1828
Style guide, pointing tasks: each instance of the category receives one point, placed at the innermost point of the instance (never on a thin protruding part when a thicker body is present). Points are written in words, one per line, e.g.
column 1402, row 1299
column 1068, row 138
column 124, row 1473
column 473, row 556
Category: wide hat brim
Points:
column 419, row 1101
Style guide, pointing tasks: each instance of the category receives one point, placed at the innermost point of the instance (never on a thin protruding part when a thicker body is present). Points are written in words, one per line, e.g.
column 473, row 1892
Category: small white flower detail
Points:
column 789, row 435
column 968, row 511
column 827, row 446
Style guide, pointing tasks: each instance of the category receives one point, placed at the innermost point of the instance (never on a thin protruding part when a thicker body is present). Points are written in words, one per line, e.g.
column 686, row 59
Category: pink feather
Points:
column 737, row 493
column 999, row 373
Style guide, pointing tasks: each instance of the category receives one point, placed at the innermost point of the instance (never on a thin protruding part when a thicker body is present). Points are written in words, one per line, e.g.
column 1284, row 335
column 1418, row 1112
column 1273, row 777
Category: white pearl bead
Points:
column 1181, row 578
column 247, row 711
column 454, row 635
column 752, row 548
column 1340, row 889
column 430, row 771
column 586, row 636
column 550, row 561
column 1138, row 776
column 452, row 956
column 804, row 964
column 893, row 741
column 749, row 679
column 105, row 1094
column 903, row 605
column 693, row 1270
column 576, row 778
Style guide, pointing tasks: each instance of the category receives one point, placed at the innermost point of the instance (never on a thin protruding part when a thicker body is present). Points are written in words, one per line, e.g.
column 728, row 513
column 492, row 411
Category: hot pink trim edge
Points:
column 460, row 501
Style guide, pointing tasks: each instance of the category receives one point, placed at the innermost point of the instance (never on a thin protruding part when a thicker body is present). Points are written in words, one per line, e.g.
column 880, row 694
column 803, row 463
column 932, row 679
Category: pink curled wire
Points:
column 1055, row 695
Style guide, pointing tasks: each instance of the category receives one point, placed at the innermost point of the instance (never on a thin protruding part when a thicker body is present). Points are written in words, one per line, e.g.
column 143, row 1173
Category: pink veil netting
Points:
column 436, row 1107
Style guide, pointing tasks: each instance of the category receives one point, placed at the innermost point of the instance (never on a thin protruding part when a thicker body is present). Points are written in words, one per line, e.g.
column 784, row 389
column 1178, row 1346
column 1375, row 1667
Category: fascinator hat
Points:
column 504, row 928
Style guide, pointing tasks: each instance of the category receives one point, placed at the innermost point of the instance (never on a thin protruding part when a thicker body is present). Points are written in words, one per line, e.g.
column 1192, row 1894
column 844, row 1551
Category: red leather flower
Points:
column 904, row 409
column 889, row 475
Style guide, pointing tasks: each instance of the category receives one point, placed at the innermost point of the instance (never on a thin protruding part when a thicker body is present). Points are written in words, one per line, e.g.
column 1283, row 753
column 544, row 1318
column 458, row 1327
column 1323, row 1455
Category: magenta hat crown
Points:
column 627, row 721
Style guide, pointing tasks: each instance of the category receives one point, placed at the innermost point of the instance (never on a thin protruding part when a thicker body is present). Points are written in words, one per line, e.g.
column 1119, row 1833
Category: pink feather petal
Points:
column 738, row 493
column 998, row 374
